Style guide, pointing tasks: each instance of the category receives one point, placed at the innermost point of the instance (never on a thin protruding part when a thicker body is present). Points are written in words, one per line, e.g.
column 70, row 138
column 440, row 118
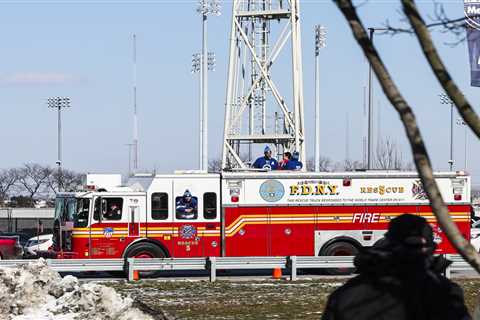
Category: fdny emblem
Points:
column 108, row 232
column 272, row 190
column 188, row 232
column 418, row 191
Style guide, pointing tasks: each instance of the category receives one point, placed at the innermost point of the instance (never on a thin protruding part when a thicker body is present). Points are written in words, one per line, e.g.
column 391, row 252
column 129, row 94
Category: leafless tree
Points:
column 32, row 177
column 419, row 151
column 63, row 180
column 215, row 165
column 326, row 164
column 388, row 155
column 8, row 178
column 352, row 165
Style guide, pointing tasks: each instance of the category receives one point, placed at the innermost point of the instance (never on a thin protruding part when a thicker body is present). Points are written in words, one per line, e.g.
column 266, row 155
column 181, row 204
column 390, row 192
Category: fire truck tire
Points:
column 146, row 250
column 340, row 248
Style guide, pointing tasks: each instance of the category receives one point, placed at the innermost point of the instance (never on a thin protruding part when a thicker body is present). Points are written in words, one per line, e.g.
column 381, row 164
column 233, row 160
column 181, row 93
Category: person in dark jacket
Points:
column 399, row 279
column 267, row 161
column 294, row 163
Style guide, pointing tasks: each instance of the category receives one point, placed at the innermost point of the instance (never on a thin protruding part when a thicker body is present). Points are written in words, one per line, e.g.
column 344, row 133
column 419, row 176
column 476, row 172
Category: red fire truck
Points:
column 275, row 213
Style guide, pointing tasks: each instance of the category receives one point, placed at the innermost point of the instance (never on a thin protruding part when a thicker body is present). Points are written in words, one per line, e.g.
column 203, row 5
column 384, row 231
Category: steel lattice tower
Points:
column 257, row 113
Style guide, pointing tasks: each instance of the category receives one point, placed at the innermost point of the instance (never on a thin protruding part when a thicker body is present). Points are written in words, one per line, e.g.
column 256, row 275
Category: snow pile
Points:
column 35, row 292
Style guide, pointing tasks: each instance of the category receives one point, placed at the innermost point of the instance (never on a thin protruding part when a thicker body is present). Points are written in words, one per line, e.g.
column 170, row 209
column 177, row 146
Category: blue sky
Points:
column 83, row 49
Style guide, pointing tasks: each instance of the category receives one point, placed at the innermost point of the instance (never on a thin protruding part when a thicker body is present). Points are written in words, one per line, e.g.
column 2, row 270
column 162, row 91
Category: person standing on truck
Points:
column 286, row 157
column 186, row 206
column 266, row 162
column 294, row 163
column 399, row 279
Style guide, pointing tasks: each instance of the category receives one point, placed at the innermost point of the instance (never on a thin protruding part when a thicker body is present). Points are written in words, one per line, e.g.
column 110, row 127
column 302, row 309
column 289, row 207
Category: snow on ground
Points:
column 35, row 292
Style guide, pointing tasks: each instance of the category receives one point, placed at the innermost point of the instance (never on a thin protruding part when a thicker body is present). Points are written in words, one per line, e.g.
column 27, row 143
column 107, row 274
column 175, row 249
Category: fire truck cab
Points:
column 277, row 213
column 145, row 218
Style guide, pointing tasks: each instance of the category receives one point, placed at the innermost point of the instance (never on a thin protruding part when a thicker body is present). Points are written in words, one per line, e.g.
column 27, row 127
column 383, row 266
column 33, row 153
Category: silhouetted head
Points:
column 411, row 233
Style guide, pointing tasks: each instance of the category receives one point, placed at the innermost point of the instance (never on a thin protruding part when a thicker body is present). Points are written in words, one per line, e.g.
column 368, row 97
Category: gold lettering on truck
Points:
column 382, row 190
column 307, row 188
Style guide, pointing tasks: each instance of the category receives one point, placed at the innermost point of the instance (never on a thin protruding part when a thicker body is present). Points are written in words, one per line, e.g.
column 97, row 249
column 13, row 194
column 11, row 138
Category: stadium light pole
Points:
column 462, row 123
column 444, row 99
column 205, row 8
column 370, row 105
column 320, row 37
column 196, row 68
column 59, row 103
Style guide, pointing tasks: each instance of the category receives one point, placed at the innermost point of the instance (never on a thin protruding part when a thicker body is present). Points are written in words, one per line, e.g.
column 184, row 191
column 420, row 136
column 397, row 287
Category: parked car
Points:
column 22, row 237
column 38, row 243
column 10, row 247
column 475, row 235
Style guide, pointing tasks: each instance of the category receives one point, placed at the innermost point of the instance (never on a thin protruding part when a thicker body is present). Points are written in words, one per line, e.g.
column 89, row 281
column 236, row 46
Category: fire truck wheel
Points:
column 146, row 250
column 340, row 248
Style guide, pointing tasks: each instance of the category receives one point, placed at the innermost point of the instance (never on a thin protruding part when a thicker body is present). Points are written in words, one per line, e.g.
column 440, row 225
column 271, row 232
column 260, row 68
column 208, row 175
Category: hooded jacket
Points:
column 396, row 283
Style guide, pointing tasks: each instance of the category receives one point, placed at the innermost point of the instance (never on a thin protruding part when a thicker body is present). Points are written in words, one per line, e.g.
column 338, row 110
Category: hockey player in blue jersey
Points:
column 294, row 163
column 266, row 162
column 186, row 206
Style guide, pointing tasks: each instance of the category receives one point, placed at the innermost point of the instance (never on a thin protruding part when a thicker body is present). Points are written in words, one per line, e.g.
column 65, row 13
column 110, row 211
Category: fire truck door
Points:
column 188, row 221
column 108, row 232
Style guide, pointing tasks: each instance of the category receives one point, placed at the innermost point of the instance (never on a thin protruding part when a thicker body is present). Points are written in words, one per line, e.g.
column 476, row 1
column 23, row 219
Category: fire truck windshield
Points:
column 72, row 210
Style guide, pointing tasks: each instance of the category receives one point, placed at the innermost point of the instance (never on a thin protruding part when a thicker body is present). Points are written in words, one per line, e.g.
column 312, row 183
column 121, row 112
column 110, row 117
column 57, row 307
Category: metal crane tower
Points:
column 256, row 111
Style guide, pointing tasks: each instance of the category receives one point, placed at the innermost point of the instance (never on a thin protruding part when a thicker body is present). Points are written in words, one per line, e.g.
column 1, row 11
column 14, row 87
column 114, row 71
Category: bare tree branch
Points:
column 32, row 177
column 389, row 155
column 8, row 178
column 420, row 154
column 438, row 67
column 349, row 165
column 325, row 165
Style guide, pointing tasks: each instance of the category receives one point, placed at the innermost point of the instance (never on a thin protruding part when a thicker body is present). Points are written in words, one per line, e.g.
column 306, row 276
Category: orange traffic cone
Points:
column 277, row 273
column 136, row 275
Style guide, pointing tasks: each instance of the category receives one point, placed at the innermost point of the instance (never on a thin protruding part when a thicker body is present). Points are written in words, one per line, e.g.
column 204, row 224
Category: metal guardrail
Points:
column 458, row 264
column 73, row 265
column 85, row 265
column 159, row 264
column 212, row 264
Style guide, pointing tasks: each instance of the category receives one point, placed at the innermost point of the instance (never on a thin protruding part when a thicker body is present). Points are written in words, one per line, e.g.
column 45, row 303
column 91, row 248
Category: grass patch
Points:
column 268, row 299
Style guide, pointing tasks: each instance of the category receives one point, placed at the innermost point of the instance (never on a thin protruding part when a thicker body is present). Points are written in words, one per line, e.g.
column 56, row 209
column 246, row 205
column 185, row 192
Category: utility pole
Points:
column 444, row 99
column 320, row 37
column 59, row 103
column 135, row 119
column 370, row 105
column 205, row 8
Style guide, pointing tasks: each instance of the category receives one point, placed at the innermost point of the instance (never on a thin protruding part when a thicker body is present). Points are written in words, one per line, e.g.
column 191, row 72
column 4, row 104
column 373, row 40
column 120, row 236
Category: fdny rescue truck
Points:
column 277, row 213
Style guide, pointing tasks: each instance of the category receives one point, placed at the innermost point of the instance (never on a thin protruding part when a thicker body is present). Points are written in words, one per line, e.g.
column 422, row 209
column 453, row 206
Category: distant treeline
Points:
column 23, row 186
